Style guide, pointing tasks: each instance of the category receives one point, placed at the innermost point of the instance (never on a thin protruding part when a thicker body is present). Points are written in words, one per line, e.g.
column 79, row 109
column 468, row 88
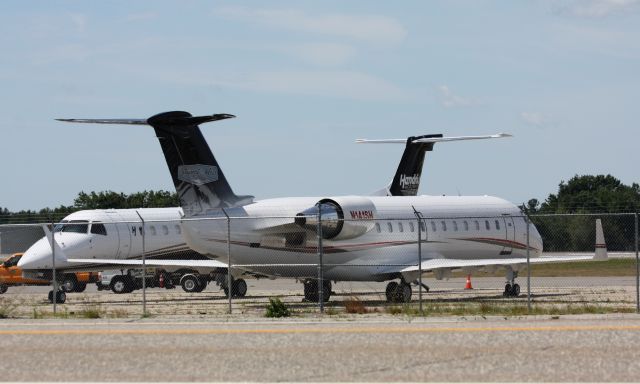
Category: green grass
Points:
column 7, row 308
column 503, row 309
column 605, row 268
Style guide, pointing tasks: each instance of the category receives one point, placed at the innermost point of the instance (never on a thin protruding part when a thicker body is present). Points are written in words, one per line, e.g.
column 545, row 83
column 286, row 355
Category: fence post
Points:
column 419, row 217
column 637, row 265
column 229, row 279
column 53, row 266
column 320, row 252
column 144, row 267
column 528, row 267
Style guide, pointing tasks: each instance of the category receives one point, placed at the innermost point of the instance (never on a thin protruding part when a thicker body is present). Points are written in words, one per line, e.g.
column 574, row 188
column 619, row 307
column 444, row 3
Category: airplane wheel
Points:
column 390, row 291
column 69, row 283
column 326, row 290
column 190, row 283
column 202, row 284
column 239, row 288
column 515, row 290
column 507, row 290
column 310, row 290
column 50, row 297
column 61, row 297
column 80, row 287
column 3, row 288
column 403, row 293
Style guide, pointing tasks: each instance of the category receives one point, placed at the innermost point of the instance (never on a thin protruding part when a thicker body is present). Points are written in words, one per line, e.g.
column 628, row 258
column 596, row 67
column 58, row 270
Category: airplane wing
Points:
column 153, row 263
column 433, row 264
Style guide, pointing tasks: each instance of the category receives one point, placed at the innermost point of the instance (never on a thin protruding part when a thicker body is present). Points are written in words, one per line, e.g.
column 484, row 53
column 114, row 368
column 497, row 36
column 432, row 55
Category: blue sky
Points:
column 306, row 79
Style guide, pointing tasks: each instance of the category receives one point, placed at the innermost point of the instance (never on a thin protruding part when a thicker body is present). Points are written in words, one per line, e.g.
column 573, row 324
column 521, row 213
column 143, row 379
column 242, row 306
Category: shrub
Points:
column 277, row 308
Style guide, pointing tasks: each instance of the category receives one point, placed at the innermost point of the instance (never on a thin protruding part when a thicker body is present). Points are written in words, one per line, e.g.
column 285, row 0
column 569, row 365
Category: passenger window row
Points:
column 441, row 225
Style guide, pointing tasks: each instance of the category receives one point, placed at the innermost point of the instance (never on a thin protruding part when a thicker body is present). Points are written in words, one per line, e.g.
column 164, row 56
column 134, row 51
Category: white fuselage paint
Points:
column 258, row 246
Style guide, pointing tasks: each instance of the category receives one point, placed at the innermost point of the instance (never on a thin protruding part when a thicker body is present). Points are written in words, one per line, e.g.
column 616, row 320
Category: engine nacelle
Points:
column 342, row 218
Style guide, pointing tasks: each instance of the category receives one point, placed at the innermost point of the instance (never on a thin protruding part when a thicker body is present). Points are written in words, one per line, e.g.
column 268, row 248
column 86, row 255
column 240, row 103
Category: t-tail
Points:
column 197, row 177
column 406, row 181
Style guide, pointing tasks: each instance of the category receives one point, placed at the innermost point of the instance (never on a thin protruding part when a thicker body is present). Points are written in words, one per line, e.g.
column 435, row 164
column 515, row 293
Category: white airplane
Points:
column 364, row 238
column 117, row 234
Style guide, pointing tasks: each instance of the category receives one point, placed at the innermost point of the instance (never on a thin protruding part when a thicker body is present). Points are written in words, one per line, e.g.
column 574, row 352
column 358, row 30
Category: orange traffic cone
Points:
column 468, row 286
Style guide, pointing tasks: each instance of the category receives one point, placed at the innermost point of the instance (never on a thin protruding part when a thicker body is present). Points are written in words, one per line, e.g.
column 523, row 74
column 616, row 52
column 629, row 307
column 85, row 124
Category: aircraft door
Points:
column 510, row 235
column 124, row 236
column 103, row 240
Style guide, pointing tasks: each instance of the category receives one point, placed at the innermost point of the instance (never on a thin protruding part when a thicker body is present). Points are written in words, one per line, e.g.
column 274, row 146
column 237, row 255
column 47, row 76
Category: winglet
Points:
column 601, row 245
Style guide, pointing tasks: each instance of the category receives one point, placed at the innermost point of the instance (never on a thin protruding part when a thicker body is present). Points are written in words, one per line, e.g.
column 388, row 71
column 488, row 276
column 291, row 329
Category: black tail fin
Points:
column 407, row 178
column 197, row 177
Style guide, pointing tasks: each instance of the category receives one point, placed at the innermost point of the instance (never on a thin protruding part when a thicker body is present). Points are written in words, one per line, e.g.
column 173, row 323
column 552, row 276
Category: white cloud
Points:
column 451, row 100
column 596, row 8
column 535, row 118
column 370, row 28
column 339, row 84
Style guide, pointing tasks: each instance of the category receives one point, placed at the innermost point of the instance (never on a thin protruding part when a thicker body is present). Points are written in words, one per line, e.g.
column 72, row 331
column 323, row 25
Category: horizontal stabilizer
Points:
column 173, row 120
column 432, row 139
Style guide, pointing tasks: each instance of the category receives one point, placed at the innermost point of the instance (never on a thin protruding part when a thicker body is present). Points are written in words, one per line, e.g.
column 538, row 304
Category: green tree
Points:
column 586, row 194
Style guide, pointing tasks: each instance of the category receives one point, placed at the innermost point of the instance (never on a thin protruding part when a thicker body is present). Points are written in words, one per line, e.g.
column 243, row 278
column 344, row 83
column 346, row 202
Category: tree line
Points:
column 582, row 196
column 586, row 198
column 93, row 200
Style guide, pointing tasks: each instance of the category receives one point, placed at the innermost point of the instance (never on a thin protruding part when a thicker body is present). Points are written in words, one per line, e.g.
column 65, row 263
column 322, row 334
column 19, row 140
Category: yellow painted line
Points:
column 182, row 331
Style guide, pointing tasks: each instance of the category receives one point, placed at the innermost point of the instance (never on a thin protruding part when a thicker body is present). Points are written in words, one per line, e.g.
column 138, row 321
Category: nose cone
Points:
column 535, row 240
column 38, row 256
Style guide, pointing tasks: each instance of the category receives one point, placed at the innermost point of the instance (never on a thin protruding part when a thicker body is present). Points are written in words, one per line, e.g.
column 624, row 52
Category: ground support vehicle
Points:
column 12, row 275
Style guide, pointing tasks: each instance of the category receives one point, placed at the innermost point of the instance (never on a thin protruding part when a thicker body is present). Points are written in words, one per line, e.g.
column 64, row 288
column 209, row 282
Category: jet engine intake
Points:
column 341, row 219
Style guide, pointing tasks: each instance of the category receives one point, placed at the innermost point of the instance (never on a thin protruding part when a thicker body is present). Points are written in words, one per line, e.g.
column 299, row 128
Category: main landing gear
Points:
column 61, row 297
column 238, row 288
column 511, row 289
column 311, row 290
column 398, row 292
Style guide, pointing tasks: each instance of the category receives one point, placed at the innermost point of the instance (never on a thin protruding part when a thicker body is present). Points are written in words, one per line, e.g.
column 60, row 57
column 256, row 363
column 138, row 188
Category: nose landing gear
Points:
column 511, row 289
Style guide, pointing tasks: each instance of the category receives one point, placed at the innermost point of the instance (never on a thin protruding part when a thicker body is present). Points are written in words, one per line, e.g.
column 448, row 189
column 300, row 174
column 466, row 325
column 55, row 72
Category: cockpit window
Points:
column 98, row 229
column 73, row 226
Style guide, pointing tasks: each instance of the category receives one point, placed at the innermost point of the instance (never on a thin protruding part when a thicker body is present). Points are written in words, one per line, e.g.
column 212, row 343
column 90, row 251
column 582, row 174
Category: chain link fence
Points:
column 318, row 265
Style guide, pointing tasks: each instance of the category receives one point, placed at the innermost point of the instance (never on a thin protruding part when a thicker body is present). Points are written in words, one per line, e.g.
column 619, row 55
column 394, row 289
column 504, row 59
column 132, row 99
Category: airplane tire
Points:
column 69, row 283
column 507, row 290
column 515, row 290
column 390, row 291
column 310, row 290
column 80, row 287
column 3, row 288
column 239, row 288
column 403, row 293
column 190, row 283
column 326, row 290
column 61, row 297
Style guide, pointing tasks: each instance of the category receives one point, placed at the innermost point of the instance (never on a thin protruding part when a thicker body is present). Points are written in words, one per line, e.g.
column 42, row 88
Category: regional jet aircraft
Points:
column 364, row 238
column 117, row 234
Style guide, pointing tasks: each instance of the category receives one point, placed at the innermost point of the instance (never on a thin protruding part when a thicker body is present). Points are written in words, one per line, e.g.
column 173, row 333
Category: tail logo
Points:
column 198, row 174
column 410, row 182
